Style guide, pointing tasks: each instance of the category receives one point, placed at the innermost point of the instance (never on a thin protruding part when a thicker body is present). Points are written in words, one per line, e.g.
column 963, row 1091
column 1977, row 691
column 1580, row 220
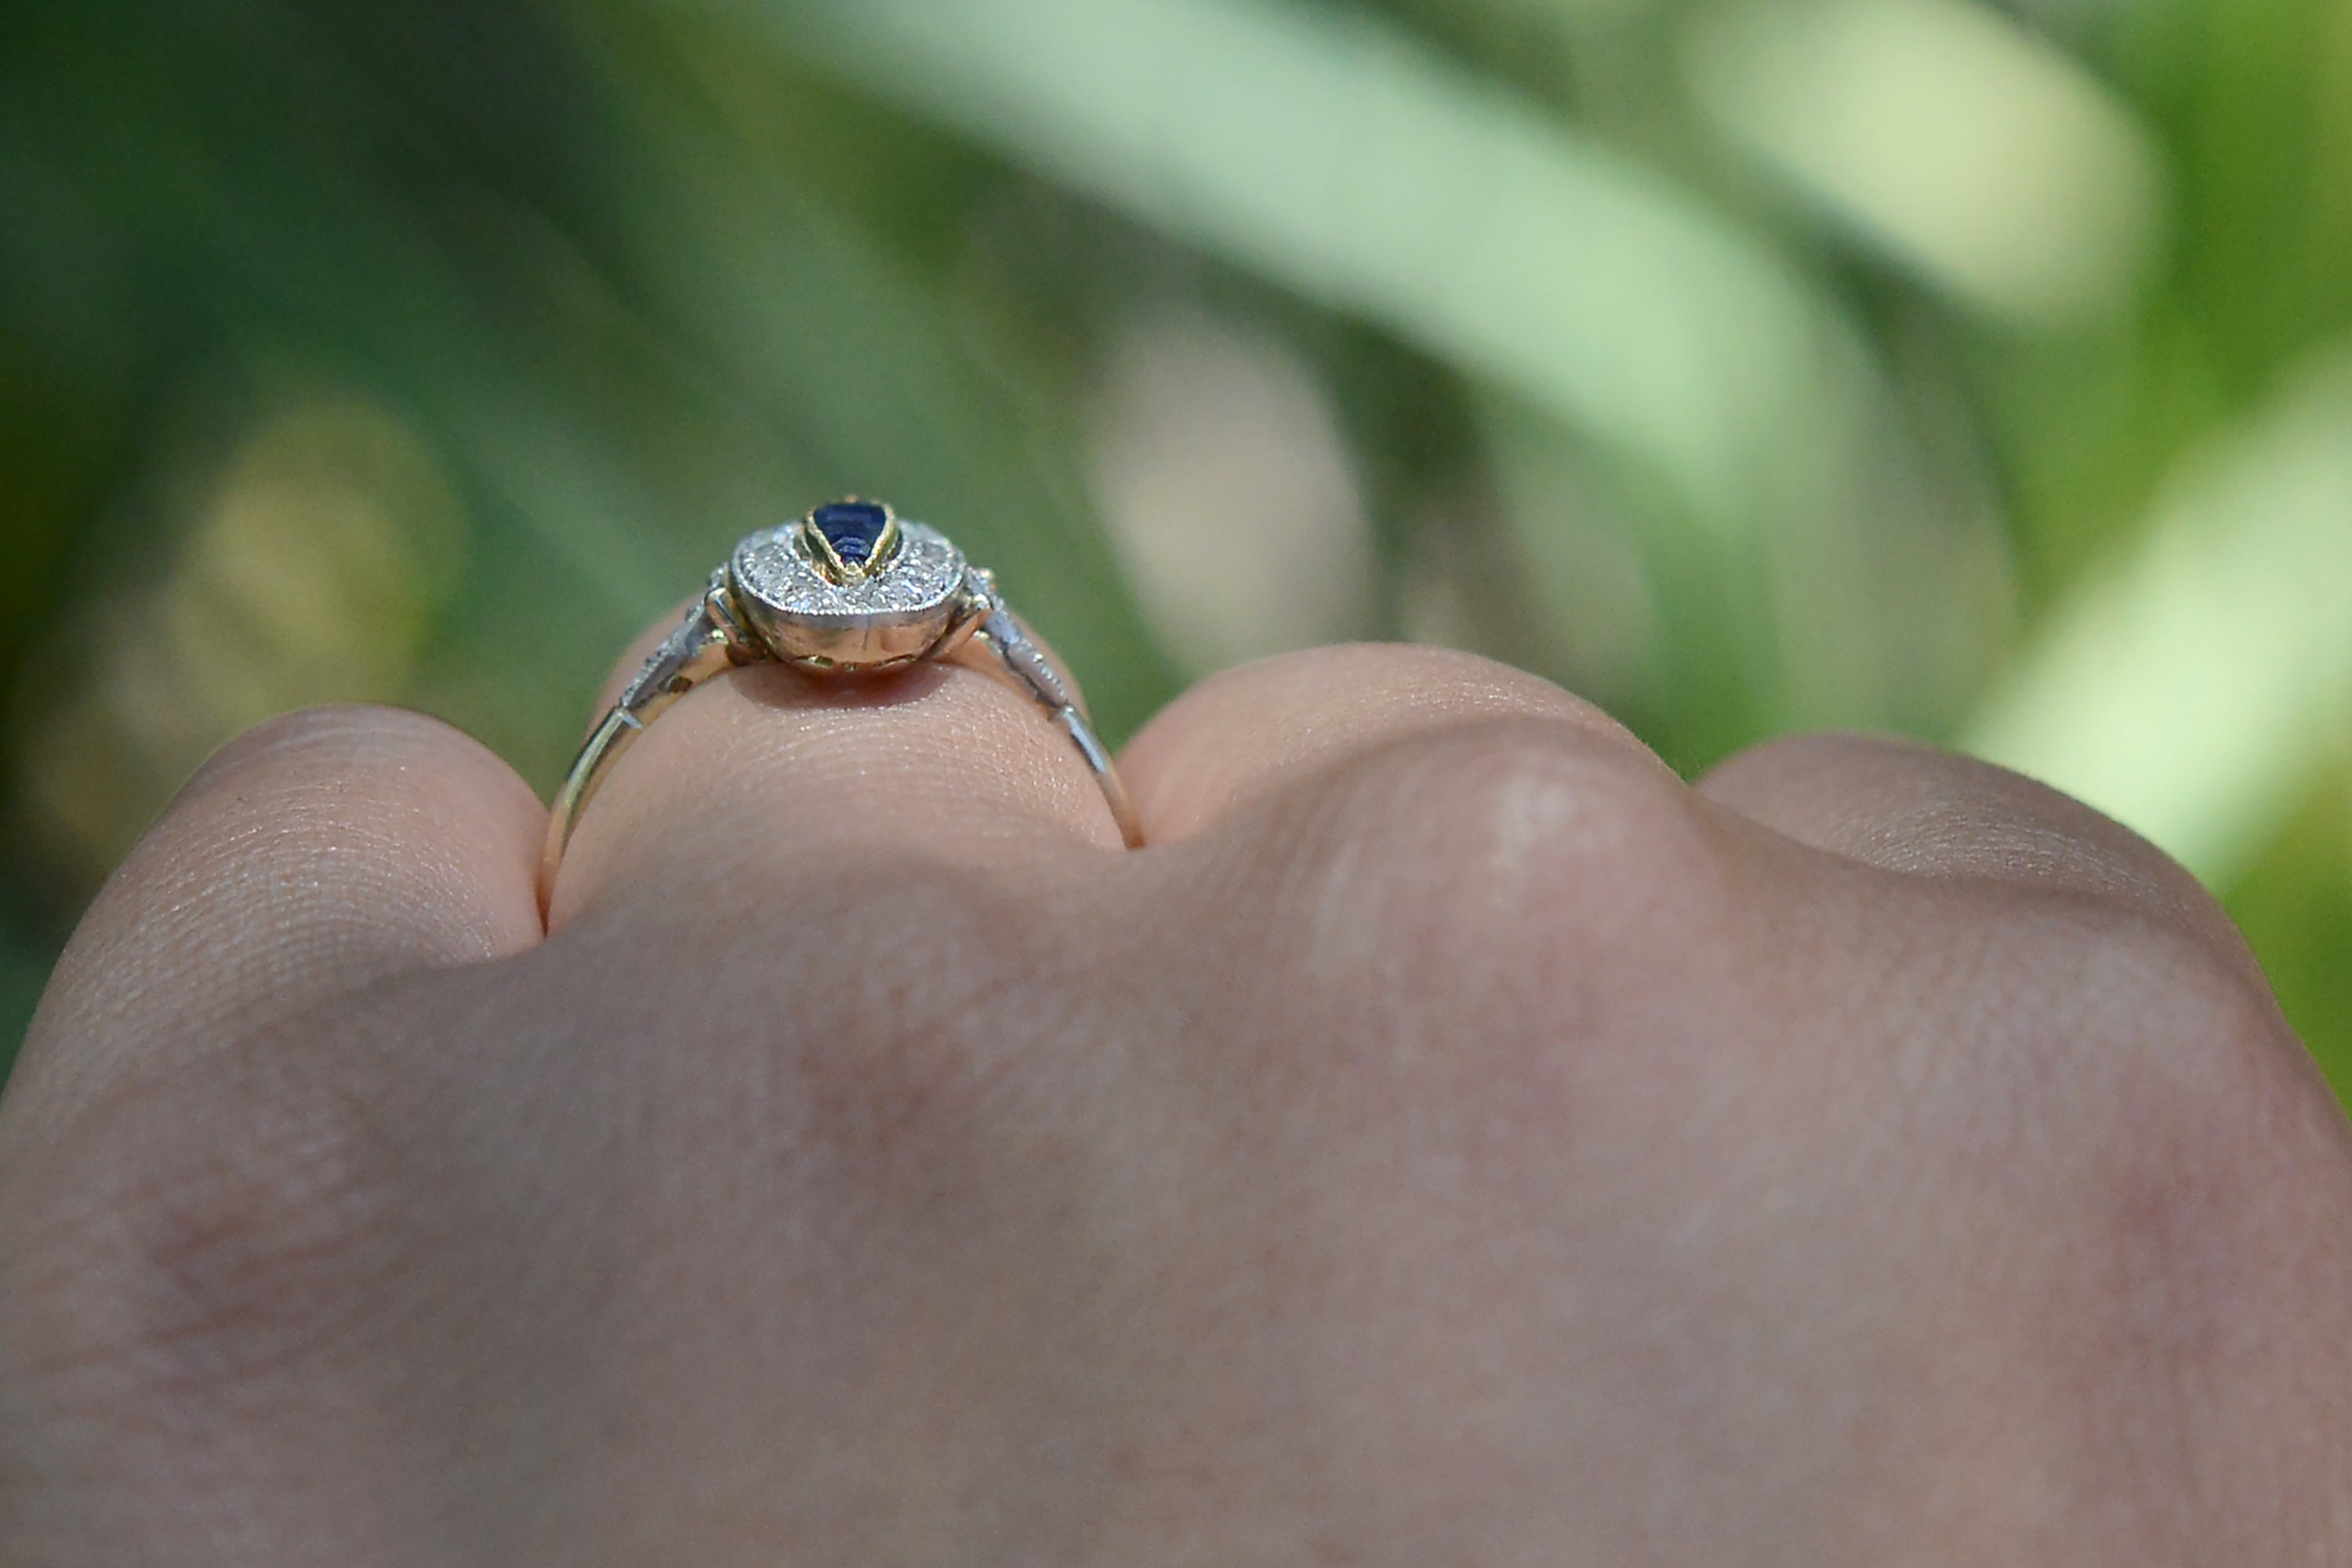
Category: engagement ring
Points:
column 849, row 590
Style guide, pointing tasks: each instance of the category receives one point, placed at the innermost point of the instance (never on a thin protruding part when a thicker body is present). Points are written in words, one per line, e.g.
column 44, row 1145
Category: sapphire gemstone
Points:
column 853, row 528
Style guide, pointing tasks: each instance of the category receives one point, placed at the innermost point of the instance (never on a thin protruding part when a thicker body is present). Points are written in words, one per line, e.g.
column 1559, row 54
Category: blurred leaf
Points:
column 1340, row 159
column 1959, row 141
column 2193, row 688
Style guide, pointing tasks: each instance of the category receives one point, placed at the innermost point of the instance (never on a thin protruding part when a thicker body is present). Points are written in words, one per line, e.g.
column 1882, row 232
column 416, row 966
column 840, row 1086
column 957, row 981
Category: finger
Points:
column 1256, row 729
column 1908, row 808
column 765, row 765
column 312, row 857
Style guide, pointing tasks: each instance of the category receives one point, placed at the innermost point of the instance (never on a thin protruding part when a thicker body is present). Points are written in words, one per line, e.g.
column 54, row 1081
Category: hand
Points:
column 1457, row 1142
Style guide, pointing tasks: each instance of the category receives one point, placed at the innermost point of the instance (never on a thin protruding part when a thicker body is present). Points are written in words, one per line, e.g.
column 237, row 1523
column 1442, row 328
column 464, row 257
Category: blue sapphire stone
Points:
column 853, row 528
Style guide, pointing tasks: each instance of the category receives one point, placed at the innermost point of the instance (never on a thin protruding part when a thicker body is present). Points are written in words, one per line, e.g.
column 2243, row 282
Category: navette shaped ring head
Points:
column 852, row 586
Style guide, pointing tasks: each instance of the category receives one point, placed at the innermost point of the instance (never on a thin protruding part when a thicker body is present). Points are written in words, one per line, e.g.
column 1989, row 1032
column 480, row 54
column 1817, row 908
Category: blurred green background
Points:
column 1978, row 371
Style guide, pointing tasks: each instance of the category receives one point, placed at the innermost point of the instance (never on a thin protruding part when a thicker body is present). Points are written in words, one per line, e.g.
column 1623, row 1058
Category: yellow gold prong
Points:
column 886, row 545
column 828, row 560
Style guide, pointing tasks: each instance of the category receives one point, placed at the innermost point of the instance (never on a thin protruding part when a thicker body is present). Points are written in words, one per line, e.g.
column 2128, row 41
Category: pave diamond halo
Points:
column 852, row 586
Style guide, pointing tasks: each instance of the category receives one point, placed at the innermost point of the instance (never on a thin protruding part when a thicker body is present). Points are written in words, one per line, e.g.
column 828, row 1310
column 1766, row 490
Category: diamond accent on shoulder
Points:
column 661, row 673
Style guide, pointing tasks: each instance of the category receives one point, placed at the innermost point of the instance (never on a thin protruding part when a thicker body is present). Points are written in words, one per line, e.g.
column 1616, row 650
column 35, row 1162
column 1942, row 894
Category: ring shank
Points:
column 611, row 737
column 1022, row 662
column 708, row 642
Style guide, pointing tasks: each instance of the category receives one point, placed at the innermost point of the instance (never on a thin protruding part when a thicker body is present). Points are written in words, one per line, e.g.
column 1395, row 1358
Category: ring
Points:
column 849, row 589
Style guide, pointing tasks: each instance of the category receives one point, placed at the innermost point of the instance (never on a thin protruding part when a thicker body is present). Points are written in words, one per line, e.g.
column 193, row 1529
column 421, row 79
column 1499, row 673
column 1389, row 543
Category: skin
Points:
column 1456, row 1141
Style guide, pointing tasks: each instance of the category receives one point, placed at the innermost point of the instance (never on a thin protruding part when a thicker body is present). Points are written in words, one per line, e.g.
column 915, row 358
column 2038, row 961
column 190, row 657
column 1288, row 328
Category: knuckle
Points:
column 2181, row 1086
column 2183, row 1016
column 1491, row 903
column 1512, row 838
column 181, row 1242
column 2213, row 1165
